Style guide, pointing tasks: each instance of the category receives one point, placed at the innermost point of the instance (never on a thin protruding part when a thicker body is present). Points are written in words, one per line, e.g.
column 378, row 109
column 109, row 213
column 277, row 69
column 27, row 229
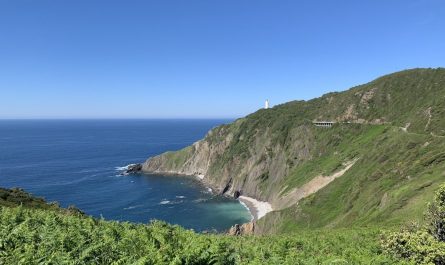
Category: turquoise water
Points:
column 79, row 162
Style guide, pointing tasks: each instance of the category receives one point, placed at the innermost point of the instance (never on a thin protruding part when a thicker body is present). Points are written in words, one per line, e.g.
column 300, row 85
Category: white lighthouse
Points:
column 266, row 104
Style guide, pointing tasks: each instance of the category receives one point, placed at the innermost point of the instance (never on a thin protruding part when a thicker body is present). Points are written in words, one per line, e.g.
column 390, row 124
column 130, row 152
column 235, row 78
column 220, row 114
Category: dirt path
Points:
column 428, row 112
column 310, row 187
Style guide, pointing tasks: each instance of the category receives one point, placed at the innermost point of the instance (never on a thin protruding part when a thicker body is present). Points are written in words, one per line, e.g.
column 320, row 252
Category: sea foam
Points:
column 123, row 168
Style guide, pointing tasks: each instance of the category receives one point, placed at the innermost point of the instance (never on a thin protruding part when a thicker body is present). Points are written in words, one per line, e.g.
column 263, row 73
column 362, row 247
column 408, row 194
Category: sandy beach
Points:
column 258, row 209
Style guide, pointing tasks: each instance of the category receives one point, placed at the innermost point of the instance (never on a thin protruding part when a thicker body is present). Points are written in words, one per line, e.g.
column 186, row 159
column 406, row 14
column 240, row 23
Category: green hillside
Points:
column 392, row 128
column 390, row 184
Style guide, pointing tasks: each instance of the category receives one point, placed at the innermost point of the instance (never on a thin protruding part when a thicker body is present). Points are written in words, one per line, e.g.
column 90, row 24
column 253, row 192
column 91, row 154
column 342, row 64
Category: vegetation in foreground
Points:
column 30, row 233
column 422, row 244
column 46, row 237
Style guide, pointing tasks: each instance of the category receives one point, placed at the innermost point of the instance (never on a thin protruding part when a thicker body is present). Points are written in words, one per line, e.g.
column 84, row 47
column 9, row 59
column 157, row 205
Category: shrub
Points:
column 436, row 215
column 419, row 247
column 422, row 245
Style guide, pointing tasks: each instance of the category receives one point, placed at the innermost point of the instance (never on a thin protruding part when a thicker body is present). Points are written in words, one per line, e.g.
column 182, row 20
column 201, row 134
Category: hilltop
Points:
column 377, row 165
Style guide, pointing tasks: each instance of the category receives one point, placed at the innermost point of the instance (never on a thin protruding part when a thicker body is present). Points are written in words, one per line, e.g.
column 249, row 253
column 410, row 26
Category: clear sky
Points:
column 202, row 59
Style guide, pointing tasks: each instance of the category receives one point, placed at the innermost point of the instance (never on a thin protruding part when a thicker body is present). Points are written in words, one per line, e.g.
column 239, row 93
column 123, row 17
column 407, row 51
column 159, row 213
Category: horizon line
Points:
column 122, row 118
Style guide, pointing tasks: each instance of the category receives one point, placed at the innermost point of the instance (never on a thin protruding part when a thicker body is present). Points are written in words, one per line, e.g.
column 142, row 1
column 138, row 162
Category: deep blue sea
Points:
column 77, row 162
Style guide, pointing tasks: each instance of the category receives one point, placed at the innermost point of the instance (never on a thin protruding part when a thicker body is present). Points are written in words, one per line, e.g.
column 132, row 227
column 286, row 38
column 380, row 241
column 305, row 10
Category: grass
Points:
column 177, row 159
column 389, row 185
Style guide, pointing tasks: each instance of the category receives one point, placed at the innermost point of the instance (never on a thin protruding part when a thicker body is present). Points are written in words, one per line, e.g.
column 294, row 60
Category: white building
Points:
column 266, row 104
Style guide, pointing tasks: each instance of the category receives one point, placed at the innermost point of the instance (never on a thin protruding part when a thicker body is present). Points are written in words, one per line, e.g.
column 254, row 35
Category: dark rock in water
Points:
column 235, row 230
column 237, row 194
column 227, row 187
column 133, row 168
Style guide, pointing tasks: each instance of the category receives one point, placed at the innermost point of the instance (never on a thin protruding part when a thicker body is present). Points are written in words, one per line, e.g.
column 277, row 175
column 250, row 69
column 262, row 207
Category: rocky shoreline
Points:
column 257, row 209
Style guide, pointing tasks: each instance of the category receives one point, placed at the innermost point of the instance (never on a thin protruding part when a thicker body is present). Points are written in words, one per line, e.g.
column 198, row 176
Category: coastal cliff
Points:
column 243, row 171
column 385, row 145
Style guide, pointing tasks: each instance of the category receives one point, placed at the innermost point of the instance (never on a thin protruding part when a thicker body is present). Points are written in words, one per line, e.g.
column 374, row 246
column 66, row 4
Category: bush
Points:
column 422, row 245
column 436, row 215
column 419, row 247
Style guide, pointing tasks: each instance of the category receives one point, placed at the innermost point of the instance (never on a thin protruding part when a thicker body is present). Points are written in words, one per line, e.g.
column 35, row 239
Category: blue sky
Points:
column 202, row 59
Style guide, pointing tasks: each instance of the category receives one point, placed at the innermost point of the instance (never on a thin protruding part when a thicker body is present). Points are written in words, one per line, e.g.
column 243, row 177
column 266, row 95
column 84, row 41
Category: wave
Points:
column 133, row 207
column 124, row 167
column 123, row 170
column 180, row 197
column 164, row 202
column 208, row 191
column 200, row 200
column 248, row 209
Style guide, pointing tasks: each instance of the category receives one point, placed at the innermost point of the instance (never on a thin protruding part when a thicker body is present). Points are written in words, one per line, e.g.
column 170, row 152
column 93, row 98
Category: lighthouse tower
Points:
column 266, row 104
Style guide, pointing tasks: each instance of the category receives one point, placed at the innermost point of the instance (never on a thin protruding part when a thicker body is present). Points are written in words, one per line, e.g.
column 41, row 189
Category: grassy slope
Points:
column 390, row 183
column 397, row 170
column 18, row 197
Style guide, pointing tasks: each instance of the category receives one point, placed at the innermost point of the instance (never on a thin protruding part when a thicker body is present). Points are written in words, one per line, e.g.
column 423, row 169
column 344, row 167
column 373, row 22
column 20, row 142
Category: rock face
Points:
column 235, row 230
column 134, row 168
column 193, row 160
column 228, row 170
column 244, row 229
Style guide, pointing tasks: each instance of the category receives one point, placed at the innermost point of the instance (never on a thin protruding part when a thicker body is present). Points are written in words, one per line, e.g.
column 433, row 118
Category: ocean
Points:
column 79, row 162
